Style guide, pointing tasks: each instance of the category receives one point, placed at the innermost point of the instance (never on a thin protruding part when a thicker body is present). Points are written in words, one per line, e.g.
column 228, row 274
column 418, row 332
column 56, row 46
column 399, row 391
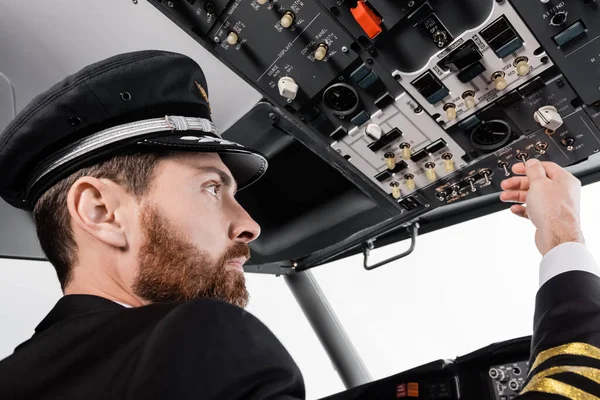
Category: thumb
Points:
column 535, row 170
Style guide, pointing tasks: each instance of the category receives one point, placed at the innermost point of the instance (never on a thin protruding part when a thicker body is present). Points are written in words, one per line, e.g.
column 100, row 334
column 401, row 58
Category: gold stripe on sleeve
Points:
column 574, row 349
column 542, row 383
column 551, row 386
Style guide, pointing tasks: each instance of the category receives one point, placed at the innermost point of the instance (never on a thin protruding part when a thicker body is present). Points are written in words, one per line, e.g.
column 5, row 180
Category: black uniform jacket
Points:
column 565, row 351
column 92, row 348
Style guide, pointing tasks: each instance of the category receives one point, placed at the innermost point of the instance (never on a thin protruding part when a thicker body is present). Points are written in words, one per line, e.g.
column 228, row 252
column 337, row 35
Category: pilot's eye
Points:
column 214, row 189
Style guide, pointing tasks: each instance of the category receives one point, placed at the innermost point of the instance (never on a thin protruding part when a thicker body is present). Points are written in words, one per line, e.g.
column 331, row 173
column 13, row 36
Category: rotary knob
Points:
column 549, row 118
column 559, row 18
column 503, row 377
column 374, row 131
column 288, row 87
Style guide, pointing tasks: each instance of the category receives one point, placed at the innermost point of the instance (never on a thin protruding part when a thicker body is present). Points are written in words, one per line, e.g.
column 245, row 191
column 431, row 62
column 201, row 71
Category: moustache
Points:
column 236, row 251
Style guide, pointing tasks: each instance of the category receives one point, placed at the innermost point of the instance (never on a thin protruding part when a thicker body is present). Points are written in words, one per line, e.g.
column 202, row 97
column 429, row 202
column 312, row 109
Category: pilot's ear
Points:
column 93, row 205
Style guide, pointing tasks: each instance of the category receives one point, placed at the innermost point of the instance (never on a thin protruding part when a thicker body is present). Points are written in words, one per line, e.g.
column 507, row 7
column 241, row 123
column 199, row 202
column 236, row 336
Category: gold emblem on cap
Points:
column 204, row 94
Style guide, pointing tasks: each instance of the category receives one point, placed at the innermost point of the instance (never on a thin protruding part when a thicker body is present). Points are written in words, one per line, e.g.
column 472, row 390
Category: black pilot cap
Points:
column 140, row 101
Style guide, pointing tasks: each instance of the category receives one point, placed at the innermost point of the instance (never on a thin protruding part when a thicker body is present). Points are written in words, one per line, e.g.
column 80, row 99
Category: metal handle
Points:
column 414, row 228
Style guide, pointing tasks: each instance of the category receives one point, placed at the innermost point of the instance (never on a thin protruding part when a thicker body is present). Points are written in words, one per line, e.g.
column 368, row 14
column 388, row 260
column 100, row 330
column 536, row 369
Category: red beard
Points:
column 173, row 269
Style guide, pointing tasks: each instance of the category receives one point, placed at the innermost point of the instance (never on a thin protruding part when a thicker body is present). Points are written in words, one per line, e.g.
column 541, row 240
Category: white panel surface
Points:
column 484, row 88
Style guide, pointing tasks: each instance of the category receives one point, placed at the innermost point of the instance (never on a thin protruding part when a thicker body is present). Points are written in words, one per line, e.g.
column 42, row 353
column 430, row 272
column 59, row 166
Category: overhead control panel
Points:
column 479, row 67
column 288, row 48
column 419, row 104
column 400, row 150
column 569, row 31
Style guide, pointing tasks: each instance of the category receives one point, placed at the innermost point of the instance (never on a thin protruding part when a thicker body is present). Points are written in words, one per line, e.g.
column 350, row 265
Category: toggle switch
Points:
column 455, row 188
column 288, row 19
column 321, row 52
column 448, row 162
column 504, row 165
column 232, row 38
column 568, row 143
column 499, row 79
column 450, row 109
column 396, row 190
column 390, row 160
column 430, row 171
column 410, row 181
column 472, row 184
column 288, row 87
column 486, row 179
column 469, row 98
column 541, row 147
column 522, row 65
column 549, row 118
column 523, row 157
column 406, row 152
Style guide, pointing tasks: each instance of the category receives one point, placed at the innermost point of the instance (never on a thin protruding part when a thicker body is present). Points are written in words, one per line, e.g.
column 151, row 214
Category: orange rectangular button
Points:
column 367, row 19
column 413, row 389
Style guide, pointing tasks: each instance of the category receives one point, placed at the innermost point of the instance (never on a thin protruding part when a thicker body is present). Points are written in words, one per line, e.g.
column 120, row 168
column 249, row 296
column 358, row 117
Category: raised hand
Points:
column 550, row 199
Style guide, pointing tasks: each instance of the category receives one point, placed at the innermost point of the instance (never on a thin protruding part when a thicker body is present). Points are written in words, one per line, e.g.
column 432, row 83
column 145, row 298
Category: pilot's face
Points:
column 194, row 234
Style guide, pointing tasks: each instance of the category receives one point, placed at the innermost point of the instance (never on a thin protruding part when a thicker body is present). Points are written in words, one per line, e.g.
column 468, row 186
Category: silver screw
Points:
column 170, row 4
column 289, row 101
column 411, row 3
column 217, row 40
column 344, row 49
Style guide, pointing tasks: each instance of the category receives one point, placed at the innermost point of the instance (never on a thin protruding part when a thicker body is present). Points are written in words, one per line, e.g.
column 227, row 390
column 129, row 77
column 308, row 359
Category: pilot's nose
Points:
column 242, row 227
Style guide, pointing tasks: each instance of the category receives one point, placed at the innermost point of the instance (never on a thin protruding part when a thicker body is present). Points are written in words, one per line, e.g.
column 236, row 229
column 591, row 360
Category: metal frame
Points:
column 370, row 245
column 328, row 328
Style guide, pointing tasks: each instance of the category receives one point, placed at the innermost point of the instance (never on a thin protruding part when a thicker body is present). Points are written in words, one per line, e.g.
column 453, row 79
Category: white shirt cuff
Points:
column 571, row 256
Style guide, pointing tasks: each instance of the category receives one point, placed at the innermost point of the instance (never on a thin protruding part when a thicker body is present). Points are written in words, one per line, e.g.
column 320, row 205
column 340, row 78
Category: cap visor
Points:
column 246, row 165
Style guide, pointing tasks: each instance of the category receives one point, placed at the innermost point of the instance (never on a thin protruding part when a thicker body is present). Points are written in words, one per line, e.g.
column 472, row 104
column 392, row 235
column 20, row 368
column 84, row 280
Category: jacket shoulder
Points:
column 209, row 349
